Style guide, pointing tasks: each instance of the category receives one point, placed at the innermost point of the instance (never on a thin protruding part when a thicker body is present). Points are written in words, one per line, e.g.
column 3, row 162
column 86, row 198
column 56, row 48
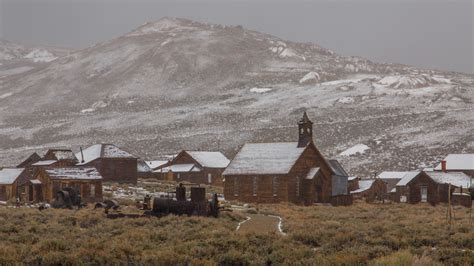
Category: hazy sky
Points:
column 427, row 33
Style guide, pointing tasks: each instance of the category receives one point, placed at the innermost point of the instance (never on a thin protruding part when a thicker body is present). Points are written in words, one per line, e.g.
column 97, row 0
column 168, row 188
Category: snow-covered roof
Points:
column 312, row 172
column 143, row 167
column 62, row 154
column 179, row 168
column 35, row 181
column 156, row 164
column 265, row 158
column 458, row 162
column 102, row 151
column 393, row 190
column 408, row 177
column 391, row 175
column 80, row 173
column 44, row 163
column 364, row 184
column 350, row 178
column 457, row 179
column 9, row 175
column 210, row 159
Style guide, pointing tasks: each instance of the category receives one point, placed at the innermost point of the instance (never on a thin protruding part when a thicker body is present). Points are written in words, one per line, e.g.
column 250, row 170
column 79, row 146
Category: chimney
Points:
column 82, row 155
column 443, row 166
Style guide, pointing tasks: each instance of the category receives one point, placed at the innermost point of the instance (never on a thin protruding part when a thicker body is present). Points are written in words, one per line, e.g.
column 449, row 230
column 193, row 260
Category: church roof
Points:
column 265, row 158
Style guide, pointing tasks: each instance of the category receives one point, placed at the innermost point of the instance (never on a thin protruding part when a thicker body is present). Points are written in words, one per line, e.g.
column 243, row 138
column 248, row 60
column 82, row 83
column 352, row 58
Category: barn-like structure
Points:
column 284, row 172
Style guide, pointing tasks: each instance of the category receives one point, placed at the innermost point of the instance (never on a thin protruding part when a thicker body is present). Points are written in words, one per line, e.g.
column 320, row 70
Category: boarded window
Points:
column 297, row 186
column 178, row 176
column 255, row 186
column 236, row 187
column 92, row 189
column 275, row 186
column 209, row 178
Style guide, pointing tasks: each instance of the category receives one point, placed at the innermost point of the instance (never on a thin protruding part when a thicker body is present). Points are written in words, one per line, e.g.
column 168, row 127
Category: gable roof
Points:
column 142, row 166
column 265, row 158
column 458, row 162
column 155, row 164
column 9, row 175
column 337, row 168
column 364, row 184
column 457, row 179
column 102, row 151
column 59, row 154
column 33, row 158
column 79, row 173
column 179, row 168
column 391, row 175
column 209, row 159
column 408, row 177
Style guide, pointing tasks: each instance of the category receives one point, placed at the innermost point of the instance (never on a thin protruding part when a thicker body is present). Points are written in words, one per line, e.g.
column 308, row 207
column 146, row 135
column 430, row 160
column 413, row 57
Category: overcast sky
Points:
column 434, row 34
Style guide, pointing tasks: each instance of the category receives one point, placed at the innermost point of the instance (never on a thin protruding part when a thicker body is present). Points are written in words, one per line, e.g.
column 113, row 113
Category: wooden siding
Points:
column 201, row 177
column 412, row 191
column 121, row 170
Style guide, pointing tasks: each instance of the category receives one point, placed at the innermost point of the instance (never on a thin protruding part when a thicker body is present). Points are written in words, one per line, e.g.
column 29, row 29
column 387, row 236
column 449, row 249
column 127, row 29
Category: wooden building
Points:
column 457, row 180
column 201, row 167
column 62, row 157
column 113, row 163
column 391, row 178
column 459, row 163
column 370, row 189
column 33, row 158
column 9, row 178
column 283, row 172
column 415, row 187
column 48, row 181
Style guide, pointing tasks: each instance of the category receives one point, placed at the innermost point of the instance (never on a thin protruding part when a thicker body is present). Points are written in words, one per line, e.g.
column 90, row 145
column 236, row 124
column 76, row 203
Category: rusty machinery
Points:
column 67, row 197
column 197, row 205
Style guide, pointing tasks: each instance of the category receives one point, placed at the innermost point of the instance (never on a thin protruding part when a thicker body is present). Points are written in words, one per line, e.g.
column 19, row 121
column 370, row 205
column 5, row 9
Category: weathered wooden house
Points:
column 48, row 181
column 113, row 163
column 415, row 187
column 284, row 172
column 9, row 178
column 444, row 179
column 370, row 190
column 201, row 167
column 458, row 163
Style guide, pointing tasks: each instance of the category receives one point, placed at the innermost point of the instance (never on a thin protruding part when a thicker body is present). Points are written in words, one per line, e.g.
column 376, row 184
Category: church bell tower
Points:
column 305, row 131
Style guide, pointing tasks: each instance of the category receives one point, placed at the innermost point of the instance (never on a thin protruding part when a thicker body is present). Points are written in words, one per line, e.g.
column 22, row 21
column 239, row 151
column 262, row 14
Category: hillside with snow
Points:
column 176, row 83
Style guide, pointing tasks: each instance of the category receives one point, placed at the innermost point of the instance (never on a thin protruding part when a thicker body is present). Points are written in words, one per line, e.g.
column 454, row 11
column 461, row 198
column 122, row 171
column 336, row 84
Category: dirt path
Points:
column 259, row 223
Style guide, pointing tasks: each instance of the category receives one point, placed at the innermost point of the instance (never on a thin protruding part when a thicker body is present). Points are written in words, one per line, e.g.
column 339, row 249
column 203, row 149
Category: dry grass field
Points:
column 392, row 234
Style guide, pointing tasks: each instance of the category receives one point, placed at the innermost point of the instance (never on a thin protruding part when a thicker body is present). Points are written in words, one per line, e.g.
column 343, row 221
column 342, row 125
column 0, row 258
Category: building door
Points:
column 424, row 194
column 209, row 178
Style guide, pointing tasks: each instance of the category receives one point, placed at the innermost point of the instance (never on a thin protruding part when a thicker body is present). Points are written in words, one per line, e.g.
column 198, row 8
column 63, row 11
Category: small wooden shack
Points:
column 457, row 180
column 284, row 171
column 370, row 189
column 201, row 167
column 391, row 178
column 9, row 182
column 48, row 181
column 114, row 164
column 415, row 187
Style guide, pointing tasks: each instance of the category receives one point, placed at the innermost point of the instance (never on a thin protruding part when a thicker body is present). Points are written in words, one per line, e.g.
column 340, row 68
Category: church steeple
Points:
column 305, row 131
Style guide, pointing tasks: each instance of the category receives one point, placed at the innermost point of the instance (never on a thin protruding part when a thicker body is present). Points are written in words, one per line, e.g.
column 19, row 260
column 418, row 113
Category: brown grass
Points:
column 376, row 234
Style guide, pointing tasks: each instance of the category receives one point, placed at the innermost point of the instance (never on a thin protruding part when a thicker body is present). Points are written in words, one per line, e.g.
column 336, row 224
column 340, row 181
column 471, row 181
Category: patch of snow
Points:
column 38, row 55
column 311, row 76
column 341, row 81
column 346, row 100
column 5, row 95
column 260, row 90
column 356, row 149
column 288, row 52
column 88, row 110
column 130, row 102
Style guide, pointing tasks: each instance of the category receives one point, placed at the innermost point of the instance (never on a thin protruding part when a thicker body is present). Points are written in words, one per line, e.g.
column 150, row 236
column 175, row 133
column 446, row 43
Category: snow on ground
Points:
column 14, row 71
column 346, row 100
column 260, row 90
column 5, row 95
column 94, row 107
column 311, row 76
column 38, row 55
column 340, row 82
column 288, row 52
column 359, row 148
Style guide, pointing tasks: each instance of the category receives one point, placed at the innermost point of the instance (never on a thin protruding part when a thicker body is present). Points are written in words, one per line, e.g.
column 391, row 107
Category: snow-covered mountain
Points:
column 177, row 83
